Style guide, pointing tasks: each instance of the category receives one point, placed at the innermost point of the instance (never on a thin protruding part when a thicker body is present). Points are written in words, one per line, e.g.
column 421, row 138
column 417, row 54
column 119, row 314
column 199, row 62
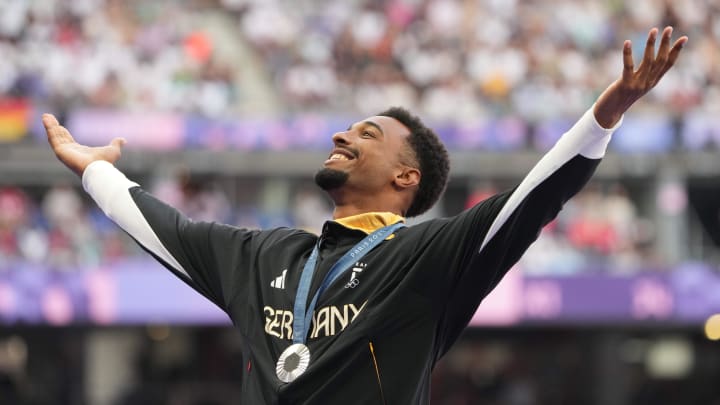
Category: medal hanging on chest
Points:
column 295, row 359
column 292, row 362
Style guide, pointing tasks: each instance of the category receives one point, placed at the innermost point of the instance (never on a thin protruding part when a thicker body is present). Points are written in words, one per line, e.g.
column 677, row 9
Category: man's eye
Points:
column 367, row 134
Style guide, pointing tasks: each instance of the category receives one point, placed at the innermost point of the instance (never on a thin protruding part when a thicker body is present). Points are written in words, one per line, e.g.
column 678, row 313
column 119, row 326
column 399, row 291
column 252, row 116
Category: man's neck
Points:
column 370, row 221
column 344, row 211
column 348, row 203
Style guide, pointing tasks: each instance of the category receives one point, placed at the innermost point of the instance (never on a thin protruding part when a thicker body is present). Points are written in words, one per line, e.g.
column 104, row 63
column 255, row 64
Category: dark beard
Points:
column 330, row 179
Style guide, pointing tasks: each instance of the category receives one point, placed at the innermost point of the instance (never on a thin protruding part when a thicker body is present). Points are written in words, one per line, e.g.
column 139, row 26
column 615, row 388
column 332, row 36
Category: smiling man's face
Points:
column 367, row 156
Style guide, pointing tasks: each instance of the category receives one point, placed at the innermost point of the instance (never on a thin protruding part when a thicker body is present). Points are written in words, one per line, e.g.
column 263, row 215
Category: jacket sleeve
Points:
column 208, row 256
column 485, row 241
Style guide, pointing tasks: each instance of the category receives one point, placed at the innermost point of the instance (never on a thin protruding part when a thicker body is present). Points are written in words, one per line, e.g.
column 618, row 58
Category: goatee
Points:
column 330, row 179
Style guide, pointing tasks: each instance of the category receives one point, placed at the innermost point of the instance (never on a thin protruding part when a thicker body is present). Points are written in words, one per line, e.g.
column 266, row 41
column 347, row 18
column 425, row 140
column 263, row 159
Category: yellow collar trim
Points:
column 369, row 221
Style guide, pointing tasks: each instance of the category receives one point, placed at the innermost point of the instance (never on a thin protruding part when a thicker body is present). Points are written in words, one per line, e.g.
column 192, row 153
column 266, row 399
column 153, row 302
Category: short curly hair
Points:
column 431, row 156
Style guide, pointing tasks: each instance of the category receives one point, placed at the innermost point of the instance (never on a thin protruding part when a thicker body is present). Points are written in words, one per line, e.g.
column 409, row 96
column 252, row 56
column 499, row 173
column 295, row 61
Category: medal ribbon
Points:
column 302, row 317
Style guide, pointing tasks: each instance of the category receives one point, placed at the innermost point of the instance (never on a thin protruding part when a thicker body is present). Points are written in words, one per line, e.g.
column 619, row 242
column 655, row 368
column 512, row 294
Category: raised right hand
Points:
column 74, row 155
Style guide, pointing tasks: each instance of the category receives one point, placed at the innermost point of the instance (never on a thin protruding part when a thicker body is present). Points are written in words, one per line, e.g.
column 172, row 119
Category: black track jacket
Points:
column 378, row 331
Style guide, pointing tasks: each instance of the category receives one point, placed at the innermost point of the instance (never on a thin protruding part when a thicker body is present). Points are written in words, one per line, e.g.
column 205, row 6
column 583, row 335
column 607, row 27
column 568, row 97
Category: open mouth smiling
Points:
column 340, row 154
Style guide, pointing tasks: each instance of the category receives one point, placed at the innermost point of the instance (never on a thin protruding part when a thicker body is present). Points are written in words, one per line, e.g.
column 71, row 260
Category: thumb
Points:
column 118, row 142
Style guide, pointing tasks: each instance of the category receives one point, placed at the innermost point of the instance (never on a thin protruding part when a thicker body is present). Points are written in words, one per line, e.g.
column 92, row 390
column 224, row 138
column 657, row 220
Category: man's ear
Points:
column 407, row 177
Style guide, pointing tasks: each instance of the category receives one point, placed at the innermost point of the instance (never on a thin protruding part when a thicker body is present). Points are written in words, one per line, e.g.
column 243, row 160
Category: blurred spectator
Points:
column 311, row 209
column 598, row 230
column 63, row 234
column 199, row 198
column 14, row 222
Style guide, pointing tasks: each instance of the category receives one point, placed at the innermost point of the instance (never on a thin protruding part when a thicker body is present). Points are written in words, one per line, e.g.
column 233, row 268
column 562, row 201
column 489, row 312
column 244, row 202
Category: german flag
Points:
column 14, row 119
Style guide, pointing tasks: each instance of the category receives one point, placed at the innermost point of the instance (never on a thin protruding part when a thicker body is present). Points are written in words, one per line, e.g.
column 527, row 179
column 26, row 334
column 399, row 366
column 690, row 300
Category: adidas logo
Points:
column 279, row 281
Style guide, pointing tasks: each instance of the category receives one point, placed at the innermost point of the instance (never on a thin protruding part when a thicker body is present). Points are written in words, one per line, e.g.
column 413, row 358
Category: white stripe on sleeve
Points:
column 586, row 138
column 110, row 189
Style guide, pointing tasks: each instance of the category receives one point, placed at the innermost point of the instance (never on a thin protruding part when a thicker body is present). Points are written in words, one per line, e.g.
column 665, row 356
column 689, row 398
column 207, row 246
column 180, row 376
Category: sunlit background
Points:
column 228, row 107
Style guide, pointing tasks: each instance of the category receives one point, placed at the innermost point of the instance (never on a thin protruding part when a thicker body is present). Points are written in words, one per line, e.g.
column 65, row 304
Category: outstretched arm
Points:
column 484, row 242
column 194, row 251
column 587, row 140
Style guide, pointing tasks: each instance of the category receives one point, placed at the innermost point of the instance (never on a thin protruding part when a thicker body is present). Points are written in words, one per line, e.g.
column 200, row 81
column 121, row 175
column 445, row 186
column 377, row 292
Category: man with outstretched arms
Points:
column 361, row 313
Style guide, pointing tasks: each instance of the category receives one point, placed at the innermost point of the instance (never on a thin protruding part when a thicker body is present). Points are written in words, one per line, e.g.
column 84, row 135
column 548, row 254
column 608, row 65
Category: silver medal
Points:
column 292, row 362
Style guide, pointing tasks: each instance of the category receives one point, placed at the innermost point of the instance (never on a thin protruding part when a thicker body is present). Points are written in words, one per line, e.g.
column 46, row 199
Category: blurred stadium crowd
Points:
column 446, row 59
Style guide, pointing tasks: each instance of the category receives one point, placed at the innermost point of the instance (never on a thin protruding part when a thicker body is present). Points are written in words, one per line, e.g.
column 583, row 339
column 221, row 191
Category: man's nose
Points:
column 340, row 138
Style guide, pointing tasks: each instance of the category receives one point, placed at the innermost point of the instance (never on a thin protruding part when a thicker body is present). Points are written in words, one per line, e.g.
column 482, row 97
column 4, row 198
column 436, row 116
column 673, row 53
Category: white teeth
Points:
column 338, row 156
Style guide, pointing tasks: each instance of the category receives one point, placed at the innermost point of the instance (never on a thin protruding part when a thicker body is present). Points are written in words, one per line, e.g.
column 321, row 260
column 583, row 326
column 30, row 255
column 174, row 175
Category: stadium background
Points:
column 228, row 107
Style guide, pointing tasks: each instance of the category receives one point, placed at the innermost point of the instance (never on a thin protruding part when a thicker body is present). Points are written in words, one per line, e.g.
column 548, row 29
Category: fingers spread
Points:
column 662, row 55
column 677, row 47
column 649, row 55
column 628, row 65
column 674, row 53
column 665, row 43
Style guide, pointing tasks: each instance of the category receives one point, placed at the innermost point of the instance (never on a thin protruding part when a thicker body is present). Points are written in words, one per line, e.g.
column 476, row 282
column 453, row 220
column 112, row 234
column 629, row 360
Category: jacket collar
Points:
column 370, row 221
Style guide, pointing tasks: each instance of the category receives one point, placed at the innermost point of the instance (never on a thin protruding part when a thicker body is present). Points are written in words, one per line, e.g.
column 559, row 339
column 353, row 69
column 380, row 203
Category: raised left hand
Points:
column 633, row 84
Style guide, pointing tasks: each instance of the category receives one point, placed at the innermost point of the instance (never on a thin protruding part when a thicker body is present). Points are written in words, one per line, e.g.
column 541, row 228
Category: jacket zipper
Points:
column 377, row 371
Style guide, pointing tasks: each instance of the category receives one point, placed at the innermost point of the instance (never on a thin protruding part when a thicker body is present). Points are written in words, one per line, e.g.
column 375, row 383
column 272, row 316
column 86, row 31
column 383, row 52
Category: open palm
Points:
column 74, row 155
